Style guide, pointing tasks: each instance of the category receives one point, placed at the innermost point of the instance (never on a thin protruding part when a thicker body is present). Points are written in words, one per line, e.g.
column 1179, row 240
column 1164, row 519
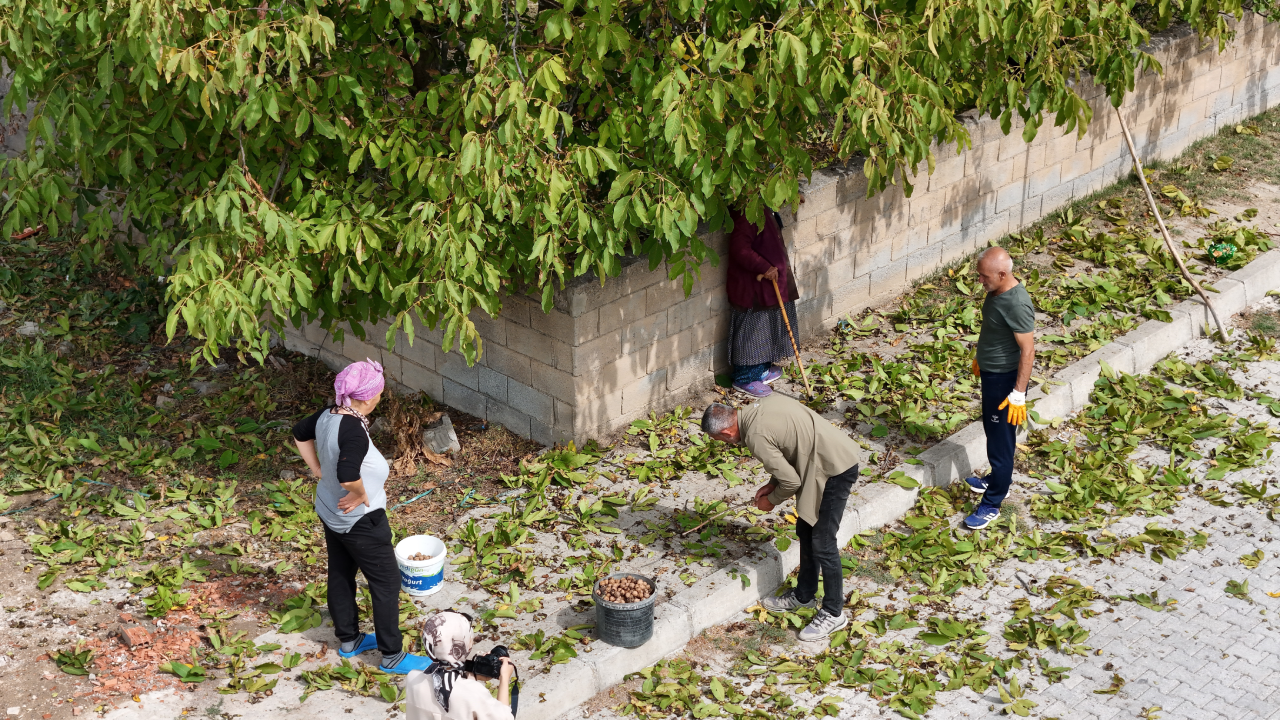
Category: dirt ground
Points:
column 36, row 623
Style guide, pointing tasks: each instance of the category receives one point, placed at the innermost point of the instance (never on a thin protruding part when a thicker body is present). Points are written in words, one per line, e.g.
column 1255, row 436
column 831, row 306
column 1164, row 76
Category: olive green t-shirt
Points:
column 1003, row 315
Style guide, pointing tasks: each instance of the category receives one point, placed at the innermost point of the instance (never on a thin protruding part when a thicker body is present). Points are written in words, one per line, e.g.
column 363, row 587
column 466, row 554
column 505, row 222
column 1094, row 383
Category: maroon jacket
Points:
column 752, row 251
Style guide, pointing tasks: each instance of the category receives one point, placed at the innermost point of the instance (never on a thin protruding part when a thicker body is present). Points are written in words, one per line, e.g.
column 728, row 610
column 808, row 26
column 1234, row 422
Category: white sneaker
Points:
column 823, row 625
column 787, row 603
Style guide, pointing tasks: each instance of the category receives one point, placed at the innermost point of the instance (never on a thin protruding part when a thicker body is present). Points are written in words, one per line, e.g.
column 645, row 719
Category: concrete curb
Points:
column 719, row 598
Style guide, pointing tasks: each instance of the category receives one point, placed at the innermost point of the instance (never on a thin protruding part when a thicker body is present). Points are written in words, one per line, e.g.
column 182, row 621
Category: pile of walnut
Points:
column 419, row 557
column 624, row 590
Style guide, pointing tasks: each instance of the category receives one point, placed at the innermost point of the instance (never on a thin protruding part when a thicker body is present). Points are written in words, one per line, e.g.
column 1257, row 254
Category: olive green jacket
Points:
column 798, row 447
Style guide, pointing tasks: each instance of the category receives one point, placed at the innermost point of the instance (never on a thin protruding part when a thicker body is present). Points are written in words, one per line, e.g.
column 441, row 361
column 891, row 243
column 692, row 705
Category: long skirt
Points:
column 759, row 336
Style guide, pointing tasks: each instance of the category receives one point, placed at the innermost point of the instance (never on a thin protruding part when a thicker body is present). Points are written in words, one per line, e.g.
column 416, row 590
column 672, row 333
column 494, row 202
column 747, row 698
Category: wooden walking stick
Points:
column 783, row 307
column 1168, row 241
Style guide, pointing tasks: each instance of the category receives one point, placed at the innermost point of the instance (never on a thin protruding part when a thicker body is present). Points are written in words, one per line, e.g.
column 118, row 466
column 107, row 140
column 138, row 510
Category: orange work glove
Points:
column 1017, row 404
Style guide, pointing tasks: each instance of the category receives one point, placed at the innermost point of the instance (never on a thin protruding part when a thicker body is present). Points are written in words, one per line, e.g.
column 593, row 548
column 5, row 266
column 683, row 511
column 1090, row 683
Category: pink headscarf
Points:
column 358, row 381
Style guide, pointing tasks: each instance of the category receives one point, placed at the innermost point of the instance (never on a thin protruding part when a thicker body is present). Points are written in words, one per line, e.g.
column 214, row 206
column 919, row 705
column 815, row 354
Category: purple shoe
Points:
column 755, row 389
column 773, row 373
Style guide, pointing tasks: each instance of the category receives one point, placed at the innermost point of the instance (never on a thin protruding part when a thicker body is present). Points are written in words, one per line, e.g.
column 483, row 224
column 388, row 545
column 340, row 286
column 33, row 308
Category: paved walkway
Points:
column 1210, row 655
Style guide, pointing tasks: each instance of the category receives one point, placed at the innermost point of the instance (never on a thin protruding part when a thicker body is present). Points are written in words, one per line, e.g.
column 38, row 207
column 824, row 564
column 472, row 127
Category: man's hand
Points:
column 762, row 496
column 1017, row 404
column 351, row 501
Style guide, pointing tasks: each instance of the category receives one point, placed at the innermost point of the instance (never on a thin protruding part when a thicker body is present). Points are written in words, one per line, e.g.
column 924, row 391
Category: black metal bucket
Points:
column 625, row 625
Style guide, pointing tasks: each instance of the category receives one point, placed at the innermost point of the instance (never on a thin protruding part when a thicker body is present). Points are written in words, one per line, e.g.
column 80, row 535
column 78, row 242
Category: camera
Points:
column 488, row 665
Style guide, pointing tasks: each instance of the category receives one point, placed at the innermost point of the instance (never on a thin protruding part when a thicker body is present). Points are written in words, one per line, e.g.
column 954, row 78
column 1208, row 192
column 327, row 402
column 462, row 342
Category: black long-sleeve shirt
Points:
column 353, row 442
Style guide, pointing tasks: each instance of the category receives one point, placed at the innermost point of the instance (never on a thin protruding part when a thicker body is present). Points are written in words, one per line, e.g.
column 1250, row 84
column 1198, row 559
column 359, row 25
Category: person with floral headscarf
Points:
column 352, row 505
column 447, row 691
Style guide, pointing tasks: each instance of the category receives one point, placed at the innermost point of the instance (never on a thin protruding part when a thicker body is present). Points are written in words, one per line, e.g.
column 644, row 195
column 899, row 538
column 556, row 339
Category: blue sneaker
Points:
column 773, row 373
column 981, row 517
column 407, row 664
column 367, row 643
column 976, row 484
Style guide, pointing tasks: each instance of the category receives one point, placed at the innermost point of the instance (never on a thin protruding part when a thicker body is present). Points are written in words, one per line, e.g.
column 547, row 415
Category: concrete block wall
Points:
column 609, row 354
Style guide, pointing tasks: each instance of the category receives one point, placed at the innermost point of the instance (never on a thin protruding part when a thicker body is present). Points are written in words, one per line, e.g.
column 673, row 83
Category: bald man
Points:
column 1006, row 352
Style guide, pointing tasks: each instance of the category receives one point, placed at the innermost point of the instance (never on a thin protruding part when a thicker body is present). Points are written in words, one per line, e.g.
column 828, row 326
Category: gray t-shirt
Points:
column 1003, row 315
column 373, row 471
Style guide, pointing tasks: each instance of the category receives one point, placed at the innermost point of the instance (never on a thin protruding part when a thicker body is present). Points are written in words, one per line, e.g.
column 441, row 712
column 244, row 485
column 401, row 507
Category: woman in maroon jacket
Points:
column 757, row 332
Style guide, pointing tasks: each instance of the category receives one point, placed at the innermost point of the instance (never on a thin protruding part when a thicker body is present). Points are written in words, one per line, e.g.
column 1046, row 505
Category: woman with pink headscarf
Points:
column 352, row 504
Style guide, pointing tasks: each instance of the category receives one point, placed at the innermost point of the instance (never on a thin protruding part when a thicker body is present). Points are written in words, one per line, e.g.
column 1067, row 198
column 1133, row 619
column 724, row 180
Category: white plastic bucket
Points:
column 420, row 577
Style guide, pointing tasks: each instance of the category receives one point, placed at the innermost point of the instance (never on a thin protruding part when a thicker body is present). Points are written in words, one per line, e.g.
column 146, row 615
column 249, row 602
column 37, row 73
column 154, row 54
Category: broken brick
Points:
column 135, row 636
column 126, row 617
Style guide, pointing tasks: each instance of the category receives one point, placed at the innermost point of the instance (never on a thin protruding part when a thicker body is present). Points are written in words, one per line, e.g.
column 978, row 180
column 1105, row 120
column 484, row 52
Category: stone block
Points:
column 689, row 312
column 529, row 342
column 1010, row 196
column 1080, row 163
column 979, row 158
column 517, row 309
column 832, row 221
column 923, row 262
column 851, row 297
column 1012, row 145
column 956, row 248
column 1036, row 156
column 493, row 330
column 1044, row 180
column 1050, row 402
column 690, row 370
column 671, row 631
column 499, row 413
column 621, row 372
column 946, row 171
column 1192, row 113
column 333, row 359
column 719, row 598
column 660, row 296
column 1259, row 277
column 493, row 384
column 1153, row 340
column 531, row 402
column 1000, row 174
column 422, row 352
column 454, row 367
column 505, row 361
column 560, row 689
column 463, row 398
column 595, row 410
column 563, row 326
column 1082, row 374
column 956, row 457
column 644, row 332
column 879, row 504
column 642, row 393
column 820, row 194
column 591, row 356
column 710, row 332
column 888, row 279
column 422, row 379
column 557, row 383
column 1206, row 82
column 622, row 312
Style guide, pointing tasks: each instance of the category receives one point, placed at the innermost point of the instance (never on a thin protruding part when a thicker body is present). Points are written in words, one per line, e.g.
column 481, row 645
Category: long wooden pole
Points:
column 783, row 307
column 1168, row 241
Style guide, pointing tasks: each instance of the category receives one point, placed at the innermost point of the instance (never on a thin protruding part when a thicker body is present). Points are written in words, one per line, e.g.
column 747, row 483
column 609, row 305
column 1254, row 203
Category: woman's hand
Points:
column 351, row 501
column 508, row 669
column 771, row 274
